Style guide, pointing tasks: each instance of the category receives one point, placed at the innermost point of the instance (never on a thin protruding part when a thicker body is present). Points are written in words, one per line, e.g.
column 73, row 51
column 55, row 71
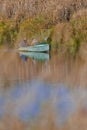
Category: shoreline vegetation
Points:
column 63, row 22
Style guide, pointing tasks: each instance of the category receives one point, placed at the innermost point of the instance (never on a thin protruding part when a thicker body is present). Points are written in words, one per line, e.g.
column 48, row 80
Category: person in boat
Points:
column 23, row 43
column 34, row 42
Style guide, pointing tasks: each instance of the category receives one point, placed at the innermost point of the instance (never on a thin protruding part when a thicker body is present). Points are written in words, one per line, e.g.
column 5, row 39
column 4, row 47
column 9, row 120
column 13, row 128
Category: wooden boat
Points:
column 35, row 55
column 36, row 48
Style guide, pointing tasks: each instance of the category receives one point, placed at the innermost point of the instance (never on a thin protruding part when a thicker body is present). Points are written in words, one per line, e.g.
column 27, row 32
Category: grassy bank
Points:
column 64, row 35
column 69, row 36
column 8, row 32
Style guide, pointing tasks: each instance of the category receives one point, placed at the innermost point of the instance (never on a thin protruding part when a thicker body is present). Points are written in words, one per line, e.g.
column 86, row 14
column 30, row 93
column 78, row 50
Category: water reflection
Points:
column 23, row 57
column 34, row 55
column 28, row 98
column 33, row 99
column 49, row 92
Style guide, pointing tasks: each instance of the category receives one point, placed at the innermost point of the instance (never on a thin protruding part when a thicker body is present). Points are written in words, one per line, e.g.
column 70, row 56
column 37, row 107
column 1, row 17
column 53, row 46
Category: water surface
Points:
column 51, row 93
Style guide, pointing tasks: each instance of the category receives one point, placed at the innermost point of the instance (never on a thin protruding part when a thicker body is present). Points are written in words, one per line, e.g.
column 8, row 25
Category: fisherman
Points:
column 23, row 43
column 34, row 41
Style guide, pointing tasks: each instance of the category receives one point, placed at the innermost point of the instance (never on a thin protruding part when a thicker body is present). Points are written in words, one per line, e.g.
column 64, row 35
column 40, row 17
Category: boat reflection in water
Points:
column 35, row 55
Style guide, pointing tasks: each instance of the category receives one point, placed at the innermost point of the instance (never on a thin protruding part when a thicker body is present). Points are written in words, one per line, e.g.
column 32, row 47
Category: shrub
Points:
column 38, row 27
column 8, row 32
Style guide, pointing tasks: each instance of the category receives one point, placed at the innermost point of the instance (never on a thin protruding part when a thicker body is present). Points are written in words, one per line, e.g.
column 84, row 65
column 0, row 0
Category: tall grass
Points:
column 8, row 32
column 38, row 27
column 58, row 9
column 63, row 22
column 70, row 35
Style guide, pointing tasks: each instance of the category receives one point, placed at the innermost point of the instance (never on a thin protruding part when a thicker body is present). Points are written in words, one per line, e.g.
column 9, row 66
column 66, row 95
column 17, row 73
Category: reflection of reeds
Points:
column 10, row 123
column 60, row 69
column 77, row 121
column 66, row 70
column 12, row 68
column 46, row 120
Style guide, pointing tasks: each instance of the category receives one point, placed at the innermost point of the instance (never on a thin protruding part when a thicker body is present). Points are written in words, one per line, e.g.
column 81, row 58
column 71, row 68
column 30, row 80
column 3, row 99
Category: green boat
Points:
column 35, row 55
column 36, row 48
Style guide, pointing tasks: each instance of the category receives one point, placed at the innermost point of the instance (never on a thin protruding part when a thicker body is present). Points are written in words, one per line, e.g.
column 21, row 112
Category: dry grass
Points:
column 38, row 18
column 57, row 9
column 70, row 35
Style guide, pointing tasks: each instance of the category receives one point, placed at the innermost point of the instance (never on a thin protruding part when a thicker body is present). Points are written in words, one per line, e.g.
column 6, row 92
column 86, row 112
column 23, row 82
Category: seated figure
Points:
column 23, row 43
column 34, row 42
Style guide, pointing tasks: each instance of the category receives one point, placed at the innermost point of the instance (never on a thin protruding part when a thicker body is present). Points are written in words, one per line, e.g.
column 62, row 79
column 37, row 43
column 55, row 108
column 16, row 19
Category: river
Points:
column 42, row 94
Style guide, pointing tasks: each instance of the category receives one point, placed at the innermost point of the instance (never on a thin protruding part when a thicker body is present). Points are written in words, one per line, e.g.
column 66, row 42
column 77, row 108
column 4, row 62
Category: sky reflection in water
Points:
column 29, row 97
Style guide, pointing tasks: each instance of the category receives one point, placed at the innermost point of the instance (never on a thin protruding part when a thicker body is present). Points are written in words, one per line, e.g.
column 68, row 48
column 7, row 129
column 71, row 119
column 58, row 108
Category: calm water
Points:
column 49, row 93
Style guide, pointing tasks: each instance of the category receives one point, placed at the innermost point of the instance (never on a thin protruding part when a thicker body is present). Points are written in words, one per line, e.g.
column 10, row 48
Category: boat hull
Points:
column 36, row 48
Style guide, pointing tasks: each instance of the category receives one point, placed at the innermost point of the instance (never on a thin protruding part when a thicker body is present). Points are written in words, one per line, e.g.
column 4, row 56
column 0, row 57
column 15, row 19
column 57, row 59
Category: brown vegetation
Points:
column 63, row 21
column 57, row 9
column 71, row 35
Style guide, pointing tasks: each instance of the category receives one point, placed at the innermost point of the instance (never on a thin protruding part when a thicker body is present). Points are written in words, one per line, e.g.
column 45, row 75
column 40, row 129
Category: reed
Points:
column 58, row 9
column 63, row 22
column 71, row 35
